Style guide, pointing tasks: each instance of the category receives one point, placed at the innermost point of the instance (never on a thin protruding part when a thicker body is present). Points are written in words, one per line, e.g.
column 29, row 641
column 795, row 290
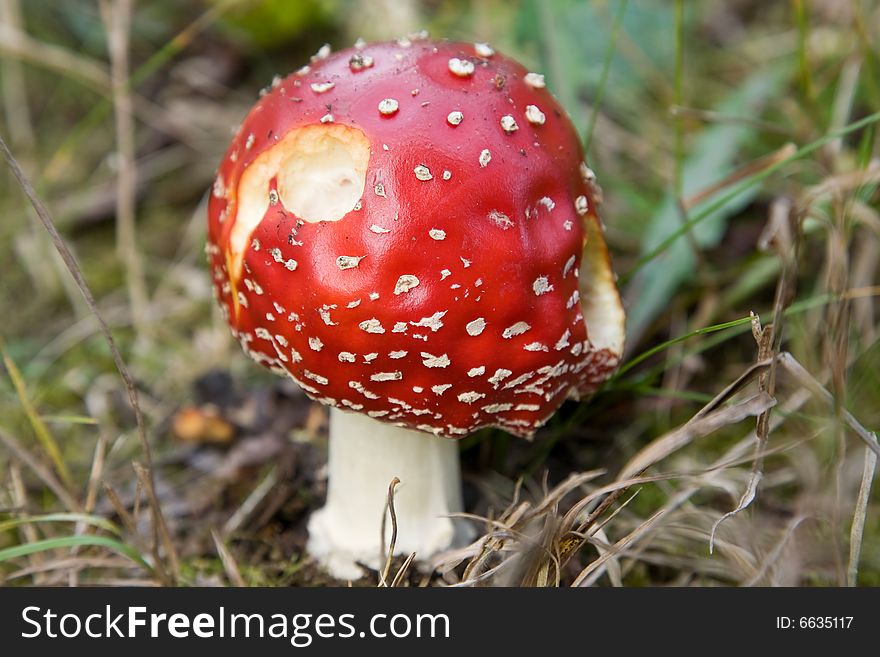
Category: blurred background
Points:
column 736, row 144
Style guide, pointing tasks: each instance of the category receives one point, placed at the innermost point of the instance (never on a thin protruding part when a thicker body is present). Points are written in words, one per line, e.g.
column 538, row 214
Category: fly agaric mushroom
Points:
column 408, row 230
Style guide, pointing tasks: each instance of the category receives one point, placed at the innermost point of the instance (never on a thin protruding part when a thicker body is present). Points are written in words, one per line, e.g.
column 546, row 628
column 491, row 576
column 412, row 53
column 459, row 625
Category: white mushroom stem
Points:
column 365, row 455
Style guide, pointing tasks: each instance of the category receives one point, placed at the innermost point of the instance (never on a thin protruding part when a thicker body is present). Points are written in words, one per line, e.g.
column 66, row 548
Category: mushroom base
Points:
column 365, row 455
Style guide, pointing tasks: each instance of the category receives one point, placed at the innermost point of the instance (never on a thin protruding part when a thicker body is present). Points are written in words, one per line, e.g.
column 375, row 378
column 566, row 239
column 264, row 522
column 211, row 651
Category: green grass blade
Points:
column 94, row 521
column 734, row 327
column 626, row 367
column 603, row 77
column 47, row 441
column 36, row 547
column 69, row 419
column 746, row 184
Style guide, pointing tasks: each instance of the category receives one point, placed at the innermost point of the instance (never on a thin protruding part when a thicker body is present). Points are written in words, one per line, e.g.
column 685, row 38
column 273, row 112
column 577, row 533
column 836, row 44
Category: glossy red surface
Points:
column 512, row 240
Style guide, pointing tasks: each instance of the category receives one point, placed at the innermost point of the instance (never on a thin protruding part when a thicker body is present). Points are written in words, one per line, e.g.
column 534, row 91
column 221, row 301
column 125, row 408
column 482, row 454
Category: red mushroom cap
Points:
column 442, row 294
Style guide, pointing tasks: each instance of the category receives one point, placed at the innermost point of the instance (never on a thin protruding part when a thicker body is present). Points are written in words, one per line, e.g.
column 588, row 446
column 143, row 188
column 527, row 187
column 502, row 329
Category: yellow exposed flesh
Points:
column 320, row 172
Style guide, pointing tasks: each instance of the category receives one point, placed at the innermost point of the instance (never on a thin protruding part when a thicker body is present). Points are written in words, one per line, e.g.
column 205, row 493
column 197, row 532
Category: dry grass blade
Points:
column 525, row 541
column 572, row 539
column 501, row 525
column 12, row 83
column 807, row 380
column 677, row 500
column 619, row 546
column 484, row 576
column 860, row 514
column 43, row 474
column 490, row 544
column 714, row 116
column 750, row 169
column 398, row 578
column 119, row 508
column 754, row 370
column 540, row 554
column 615, row 572
column 570, row 484
column 29, row 532
column 745, row 501
column 841, row 183
column 243, row 512
column 16, row 43
column 95, row 473
column 769, row 340
column 76, row 273
column 538, row 559
column 696, row 428
column 66, row 564
column 776, row 552
column 160, row 530
column 389, row 511
column 91, row 495
column 230, row 567
column 116, row 15
column 511, row 551
column 601, row 542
